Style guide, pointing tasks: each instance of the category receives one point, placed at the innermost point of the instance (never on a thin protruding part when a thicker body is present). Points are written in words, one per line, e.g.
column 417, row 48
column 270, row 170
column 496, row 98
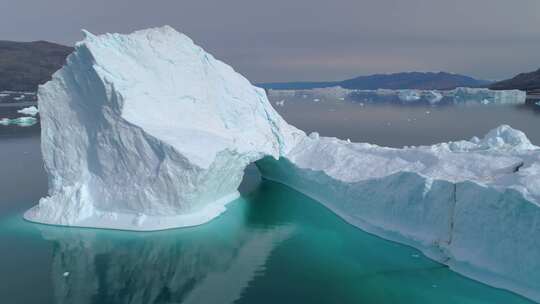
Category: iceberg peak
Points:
column 87, row 34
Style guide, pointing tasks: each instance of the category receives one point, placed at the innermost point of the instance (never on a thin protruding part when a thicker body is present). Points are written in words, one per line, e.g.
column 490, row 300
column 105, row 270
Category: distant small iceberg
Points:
column 280, row 103
column 24, row 121
column 33, row 111
column 478, row 96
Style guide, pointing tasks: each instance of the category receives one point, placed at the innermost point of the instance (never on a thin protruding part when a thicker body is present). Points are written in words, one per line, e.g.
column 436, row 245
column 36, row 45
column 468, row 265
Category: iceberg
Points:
column 25, row 121
column 487, row 96
column 409, row 95
column 33, row 111
column 479, row 96
column 147, row 131
column 472, row 205
column 325, row 93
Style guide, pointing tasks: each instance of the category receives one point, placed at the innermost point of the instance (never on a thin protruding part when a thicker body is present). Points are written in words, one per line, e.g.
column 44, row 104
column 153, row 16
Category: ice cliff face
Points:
column 148, row 131
column 32, row 111
column 473, row 205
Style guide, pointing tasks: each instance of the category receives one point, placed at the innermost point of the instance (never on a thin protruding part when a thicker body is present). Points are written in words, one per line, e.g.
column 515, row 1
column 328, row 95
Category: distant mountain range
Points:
column 524, row 81
column 409, row 80
column 25, row 65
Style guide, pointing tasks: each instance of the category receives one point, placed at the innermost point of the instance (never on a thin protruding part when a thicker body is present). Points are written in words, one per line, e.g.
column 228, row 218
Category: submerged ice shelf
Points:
column 147, row 131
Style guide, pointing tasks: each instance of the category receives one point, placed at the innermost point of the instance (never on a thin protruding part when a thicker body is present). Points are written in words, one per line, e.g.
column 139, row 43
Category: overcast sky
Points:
column 283, row 40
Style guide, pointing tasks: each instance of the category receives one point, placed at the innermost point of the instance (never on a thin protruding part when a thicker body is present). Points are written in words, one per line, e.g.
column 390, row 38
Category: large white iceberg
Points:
column 24, row 121
column 409, row 95
column 147, row 131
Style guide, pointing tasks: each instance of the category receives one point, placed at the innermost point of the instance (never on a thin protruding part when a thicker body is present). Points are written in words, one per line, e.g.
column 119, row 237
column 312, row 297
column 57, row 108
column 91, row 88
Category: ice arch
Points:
column 147, row 131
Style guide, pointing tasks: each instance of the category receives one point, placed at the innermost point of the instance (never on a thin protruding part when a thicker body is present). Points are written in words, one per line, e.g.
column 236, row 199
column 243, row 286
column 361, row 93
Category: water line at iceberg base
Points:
column 454, row 232
column 471, row 205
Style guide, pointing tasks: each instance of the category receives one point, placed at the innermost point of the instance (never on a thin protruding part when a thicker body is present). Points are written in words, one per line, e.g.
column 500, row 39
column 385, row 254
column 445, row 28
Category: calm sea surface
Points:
column 274, row 245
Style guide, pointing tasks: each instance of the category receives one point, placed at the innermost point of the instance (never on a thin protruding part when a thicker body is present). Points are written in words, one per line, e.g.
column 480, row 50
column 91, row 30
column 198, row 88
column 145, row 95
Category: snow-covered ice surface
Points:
column 434, row 97
column 33, row 111
column 147, row 131
column 472, row 205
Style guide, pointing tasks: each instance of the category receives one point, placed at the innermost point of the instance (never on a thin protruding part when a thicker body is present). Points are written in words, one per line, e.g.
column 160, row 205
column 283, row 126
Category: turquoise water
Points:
column 274, row 245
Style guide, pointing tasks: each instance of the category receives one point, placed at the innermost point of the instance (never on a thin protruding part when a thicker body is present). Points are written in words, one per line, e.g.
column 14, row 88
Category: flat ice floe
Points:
column 147, row 131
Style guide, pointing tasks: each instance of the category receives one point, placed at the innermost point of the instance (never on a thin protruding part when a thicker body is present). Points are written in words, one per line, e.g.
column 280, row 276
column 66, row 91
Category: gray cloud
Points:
column 284, row 40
